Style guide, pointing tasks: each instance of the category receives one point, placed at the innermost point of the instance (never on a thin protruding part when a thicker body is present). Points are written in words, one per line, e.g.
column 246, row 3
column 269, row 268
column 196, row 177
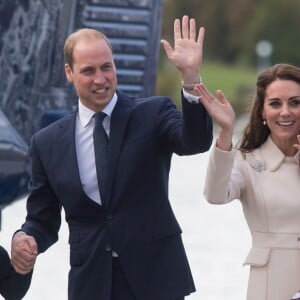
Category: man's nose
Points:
column 99, row 78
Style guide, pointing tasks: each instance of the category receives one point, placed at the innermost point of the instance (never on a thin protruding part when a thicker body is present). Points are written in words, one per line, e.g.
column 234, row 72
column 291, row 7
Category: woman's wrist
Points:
column 224, row 141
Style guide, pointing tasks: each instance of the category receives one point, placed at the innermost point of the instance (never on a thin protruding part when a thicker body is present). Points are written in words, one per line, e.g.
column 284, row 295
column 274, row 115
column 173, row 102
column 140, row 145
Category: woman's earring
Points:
column 264, row 122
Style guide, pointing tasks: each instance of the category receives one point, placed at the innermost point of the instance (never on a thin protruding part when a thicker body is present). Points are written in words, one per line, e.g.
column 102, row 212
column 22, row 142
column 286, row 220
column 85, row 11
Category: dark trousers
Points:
column 120, row 287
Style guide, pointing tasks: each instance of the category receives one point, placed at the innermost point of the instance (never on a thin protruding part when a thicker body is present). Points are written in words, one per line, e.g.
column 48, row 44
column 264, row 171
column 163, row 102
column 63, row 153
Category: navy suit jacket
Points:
column 137, row 220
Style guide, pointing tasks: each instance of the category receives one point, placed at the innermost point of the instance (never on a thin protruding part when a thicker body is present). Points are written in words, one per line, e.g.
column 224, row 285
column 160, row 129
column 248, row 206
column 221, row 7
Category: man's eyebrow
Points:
column 86, row 68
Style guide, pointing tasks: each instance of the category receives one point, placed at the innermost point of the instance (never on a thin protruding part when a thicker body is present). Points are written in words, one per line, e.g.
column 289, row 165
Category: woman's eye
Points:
column 274, row 104
column 295, row 102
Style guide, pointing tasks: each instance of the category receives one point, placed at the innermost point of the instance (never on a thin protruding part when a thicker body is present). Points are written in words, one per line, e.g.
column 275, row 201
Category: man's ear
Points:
column 69, row 72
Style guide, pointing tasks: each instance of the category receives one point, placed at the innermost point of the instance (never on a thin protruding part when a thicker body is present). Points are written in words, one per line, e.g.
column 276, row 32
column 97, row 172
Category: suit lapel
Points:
column 118, row 125
column 67, row 149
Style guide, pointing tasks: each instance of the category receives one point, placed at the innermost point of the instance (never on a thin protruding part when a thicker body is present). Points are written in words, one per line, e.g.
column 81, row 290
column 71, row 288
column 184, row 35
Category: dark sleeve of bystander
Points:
column 13, row 286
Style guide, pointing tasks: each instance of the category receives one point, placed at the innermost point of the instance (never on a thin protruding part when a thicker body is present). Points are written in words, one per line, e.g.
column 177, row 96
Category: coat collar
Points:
column 272, row 155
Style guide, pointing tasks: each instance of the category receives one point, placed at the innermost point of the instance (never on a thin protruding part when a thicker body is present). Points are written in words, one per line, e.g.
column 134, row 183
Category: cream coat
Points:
column 268, row 185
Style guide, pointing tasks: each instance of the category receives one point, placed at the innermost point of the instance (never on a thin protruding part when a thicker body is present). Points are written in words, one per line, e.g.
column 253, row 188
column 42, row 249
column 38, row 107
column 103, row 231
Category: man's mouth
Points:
column 100, row 90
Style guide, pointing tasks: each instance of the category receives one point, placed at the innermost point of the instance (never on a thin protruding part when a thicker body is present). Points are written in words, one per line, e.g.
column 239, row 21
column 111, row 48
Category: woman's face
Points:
column 281, row 111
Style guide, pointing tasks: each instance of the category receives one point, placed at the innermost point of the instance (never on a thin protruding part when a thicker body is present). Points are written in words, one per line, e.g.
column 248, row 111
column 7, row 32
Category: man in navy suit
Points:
column 125, row 242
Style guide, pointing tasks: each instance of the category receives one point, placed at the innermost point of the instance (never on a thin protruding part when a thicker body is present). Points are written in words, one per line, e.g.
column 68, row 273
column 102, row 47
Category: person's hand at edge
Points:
column 23, row 252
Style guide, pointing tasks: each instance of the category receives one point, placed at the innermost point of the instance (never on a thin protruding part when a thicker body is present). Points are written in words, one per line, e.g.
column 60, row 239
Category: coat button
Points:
column 109, row 217
column 108, row 248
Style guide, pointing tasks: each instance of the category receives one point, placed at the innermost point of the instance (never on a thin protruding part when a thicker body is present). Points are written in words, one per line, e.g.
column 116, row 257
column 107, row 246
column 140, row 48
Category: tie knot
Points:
column 99, row 117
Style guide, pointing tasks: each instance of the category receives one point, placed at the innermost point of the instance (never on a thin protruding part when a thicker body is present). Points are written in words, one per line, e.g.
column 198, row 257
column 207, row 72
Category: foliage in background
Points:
column 233, row 27
column 277, row 21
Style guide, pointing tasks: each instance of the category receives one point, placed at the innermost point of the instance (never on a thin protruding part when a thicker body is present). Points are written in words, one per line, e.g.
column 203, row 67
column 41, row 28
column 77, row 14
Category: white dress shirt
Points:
column 85, row 147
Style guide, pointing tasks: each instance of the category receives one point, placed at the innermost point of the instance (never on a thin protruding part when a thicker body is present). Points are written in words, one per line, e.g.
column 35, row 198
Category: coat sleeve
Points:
column 197, row 126
column 224, row 178
column 184, row 132
column 43, row 208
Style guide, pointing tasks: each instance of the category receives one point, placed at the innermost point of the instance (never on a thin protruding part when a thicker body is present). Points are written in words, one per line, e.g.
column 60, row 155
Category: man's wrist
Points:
column 19, row 231
column 190, row 86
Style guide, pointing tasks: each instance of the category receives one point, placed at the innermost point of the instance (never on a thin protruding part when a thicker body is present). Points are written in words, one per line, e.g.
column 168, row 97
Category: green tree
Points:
column 277, row 21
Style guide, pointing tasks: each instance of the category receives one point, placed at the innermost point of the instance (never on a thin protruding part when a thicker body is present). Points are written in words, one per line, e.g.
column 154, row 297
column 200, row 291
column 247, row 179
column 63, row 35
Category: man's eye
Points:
column 87, row 71
column 106, row 68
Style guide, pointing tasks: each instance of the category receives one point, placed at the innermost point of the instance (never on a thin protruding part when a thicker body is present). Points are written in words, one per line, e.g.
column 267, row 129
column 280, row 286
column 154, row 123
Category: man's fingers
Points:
column 33, row 246
column 177, row 30
column 24, row 241
column 25, row 247
column 192, row 29
column 185, row 27
column 22, row 261
column 167, row 47
column 201, row 35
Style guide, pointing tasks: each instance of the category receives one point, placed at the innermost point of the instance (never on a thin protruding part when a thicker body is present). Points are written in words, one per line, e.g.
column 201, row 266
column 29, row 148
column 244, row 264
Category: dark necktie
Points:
column 100, row 147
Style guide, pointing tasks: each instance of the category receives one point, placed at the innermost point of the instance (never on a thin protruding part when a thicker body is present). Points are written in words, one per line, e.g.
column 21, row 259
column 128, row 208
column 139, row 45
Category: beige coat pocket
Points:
column 258, row 257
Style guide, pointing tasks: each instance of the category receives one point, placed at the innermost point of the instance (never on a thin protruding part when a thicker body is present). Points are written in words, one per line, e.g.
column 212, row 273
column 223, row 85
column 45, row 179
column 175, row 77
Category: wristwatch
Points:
column 190, row 86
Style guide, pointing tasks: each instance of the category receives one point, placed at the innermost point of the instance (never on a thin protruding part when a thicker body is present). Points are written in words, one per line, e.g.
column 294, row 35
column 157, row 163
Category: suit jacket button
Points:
column 109, row 217
column 108, row 248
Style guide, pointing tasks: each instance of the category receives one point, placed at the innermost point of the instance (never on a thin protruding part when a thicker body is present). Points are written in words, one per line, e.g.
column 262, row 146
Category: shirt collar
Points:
column 85, row 114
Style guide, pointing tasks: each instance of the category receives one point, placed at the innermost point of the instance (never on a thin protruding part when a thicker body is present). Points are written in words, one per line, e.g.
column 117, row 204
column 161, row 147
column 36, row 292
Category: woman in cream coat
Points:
column 263, row 173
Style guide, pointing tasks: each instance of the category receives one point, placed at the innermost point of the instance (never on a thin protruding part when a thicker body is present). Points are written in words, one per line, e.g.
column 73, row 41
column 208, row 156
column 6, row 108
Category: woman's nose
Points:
column 285, row 110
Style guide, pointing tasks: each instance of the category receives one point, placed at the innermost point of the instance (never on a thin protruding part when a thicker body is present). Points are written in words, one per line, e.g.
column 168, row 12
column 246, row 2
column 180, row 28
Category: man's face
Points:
column 94, row 73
